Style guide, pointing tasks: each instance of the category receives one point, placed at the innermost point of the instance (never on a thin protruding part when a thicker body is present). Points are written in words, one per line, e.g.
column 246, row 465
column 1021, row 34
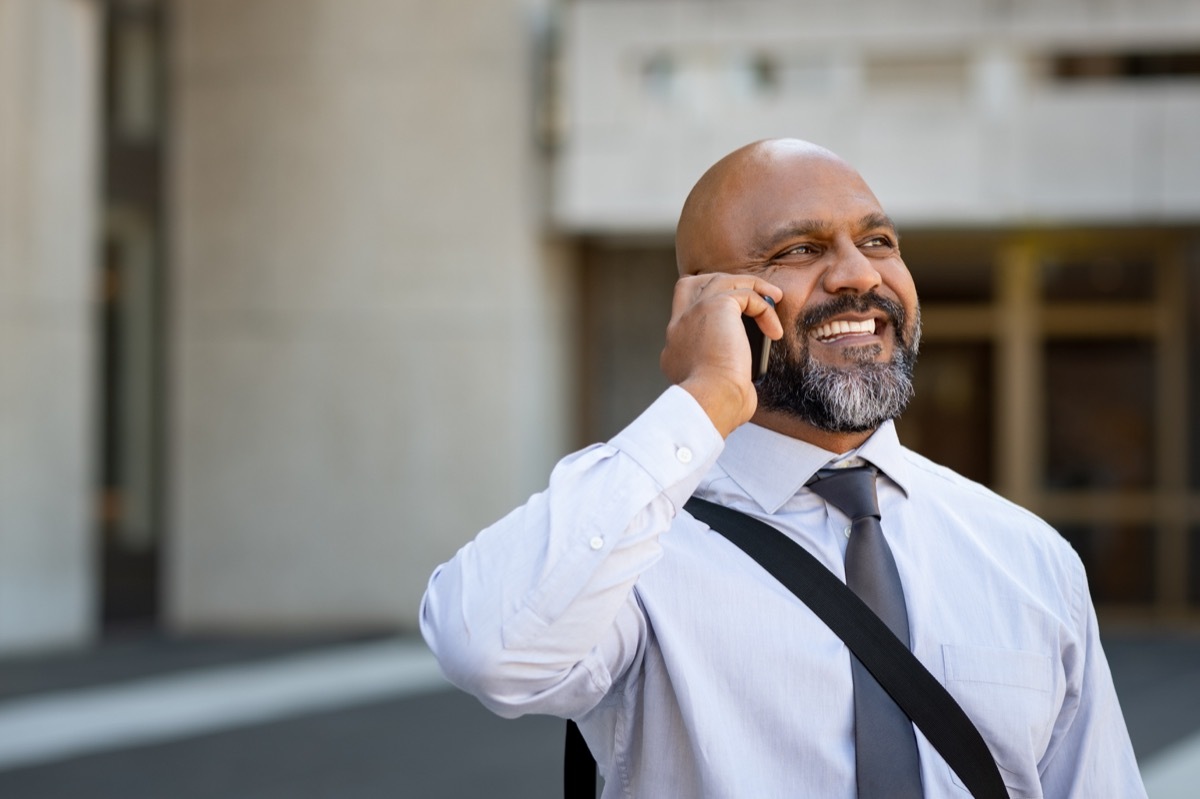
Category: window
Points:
column 1125, row 66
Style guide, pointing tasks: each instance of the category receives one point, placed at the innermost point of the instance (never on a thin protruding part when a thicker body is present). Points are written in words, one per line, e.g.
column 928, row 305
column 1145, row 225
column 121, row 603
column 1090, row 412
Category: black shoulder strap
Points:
column 916, row 691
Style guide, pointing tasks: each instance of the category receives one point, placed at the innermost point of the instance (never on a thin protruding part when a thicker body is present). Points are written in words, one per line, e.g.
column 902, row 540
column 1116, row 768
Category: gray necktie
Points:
column 886, row 747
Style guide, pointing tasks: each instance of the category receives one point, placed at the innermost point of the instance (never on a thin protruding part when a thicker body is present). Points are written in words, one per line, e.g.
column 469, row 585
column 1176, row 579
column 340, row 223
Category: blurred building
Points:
column 295, row 295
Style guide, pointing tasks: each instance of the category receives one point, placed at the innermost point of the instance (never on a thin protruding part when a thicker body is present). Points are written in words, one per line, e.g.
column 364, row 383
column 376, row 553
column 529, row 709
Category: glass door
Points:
column 1057, row 367
column 1056, row 370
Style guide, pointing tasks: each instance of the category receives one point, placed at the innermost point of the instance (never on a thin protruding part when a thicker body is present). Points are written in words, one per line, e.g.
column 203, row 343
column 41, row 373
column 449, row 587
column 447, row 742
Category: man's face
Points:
column 810, row 225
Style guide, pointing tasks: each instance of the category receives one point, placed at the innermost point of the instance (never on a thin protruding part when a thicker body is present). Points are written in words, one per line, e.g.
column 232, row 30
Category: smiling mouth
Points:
column 840, row 329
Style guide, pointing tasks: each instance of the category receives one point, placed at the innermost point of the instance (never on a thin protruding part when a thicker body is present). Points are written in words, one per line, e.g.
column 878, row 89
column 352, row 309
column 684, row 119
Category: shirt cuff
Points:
column 674, row 441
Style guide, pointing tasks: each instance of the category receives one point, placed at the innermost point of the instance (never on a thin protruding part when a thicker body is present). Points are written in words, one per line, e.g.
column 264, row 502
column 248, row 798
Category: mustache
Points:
column 859, row 303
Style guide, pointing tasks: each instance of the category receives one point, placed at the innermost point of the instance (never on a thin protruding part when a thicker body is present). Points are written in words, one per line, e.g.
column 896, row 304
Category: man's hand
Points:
column 707, row 353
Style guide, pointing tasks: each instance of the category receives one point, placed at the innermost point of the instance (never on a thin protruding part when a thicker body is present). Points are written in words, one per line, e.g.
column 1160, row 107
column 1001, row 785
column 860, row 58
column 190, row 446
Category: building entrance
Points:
column 1057, row 367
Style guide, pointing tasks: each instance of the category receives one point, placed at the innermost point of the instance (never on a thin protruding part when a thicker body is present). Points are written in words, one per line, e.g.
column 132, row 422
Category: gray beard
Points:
column 842, row 399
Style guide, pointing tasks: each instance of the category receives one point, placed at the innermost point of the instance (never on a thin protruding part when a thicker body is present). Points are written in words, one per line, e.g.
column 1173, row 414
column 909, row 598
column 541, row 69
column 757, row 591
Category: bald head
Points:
column 735, row 193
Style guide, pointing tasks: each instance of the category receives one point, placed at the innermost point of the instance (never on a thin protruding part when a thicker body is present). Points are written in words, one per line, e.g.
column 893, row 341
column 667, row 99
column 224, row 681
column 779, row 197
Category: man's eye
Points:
column 800, row 249
column 878, row 241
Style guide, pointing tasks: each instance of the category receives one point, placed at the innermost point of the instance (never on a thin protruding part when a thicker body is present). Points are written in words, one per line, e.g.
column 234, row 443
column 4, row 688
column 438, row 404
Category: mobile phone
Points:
column 760, row 345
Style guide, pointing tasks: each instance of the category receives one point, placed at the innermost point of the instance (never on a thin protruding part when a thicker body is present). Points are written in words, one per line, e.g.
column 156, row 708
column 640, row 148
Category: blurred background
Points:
column 296, row 295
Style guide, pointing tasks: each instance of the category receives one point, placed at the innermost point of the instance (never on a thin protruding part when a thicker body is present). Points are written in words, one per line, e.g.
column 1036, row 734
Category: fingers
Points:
column 748, row 293
column 762, row 308
column 717, row 282
column 707, row 352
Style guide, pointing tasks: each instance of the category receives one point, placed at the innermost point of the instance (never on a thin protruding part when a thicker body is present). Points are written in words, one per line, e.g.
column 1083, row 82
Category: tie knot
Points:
column 852, row 491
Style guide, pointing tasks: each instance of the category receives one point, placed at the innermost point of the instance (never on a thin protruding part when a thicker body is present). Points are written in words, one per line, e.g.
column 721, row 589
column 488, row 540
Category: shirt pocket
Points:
column 1008, row 694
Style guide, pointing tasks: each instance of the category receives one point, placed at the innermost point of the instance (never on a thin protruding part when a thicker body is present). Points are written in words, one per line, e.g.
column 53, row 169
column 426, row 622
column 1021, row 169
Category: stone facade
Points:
column 49, row 60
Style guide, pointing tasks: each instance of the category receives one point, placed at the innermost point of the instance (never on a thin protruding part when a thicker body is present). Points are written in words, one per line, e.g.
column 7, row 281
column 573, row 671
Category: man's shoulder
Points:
column 995, row 530
column 967, row 496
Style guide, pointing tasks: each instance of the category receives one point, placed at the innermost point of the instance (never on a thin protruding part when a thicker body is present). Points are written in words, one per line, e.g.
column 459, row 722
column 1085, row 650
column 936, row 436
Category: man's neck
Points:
column 789, row 425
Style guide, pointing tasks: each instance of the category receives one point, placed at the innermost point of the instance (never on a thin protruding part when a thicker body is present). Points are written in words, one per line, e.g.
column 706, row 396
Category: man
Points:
column 690, row 670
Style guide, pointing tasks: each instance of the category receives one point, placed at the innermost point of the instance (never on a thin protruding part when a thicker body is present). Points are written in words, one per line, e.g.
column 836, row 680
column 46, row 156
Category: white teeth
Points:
column 844, row 328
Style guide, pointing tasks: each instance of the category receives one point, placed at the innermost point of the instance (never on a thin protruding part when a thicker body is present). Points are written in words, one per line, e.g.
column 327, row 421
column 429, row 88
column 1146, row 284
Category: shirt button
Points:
column 683, row 455
column 847, row 531
column 596, row 543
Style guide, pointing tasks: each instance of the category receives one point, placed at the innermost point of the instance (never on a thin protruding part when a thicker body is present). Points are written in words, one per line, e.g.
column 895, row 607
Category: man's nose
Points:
column 851, row 270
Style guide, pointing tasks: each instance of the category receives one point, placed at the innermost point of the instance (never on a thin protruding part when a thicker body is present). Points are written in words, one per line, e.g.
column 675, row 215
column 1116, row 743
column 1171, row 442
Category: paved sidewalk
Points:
column 373, row 718
column 1157, row 675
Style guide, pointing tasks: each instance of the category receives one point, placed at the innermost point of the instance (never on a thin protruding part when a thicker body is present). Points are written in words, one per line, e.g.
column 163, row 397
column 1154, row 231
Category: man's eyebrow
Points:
column 769, row 242
column 878, row 220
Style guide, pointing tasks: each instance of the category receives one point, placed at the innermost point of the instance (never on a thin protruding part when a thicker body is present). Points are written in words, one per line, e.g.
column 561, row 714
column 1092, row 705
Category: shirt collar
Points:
column 772, row 468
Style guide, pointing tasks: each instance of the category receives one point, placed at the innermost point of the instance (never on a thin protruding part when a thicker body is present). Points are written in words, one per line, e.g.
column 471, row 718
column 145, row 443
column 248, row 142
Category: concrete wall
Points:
column 367, row 357
column 948, row 107
column 48, row 93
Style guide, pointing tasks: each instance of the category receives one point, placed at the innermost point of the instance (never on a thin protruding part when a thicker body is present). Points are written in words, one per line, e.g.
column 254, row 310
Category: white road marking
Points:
column 51, row 727
column 1175, row 772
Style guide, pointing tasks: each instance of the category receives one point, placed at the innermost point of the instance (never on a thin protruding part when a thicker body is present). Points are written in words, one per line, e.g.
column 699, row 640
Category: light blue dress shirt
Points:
column 693, row 673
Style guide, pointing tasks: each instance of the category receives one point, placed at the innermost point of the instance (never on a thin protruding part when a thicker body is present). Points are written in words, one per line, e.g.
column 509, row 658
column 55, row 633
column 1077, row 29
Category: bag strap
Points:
column 918, row 693
column 579, row 767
